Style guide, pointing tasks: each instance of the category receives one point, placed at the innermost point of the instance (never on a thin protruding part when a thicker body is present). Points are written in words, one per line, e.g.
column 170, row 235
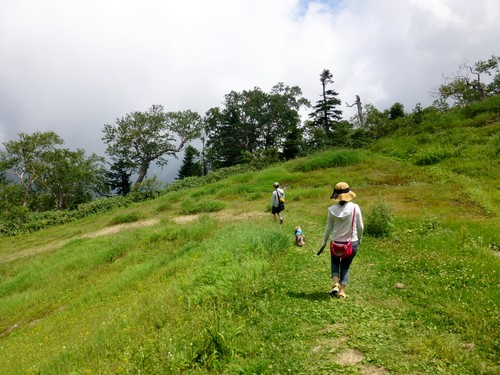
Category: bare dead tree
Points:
column 476, row 83
column 360, row 111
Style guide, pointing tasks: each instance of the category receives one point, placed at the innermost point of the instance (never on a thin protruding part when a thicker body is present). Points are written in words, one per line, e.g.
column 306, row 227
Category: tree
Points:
column 397, row 110
column 325, row 116
column 11, row 194
column 284, row 104
column 141, row 138
column 72, row 178
column 191, row 165
column 26, row 158
column 468, row 85
column 374, row 117
column 361, row 116
column 119, row 176
column 293, row 143
column 240, row 127
column 249, row 122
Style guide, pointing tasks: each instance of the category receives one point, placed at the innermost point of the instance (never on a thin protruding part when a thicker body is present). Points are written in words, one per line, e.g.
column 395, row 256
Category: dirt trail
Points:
column 118, row 228
column 222, row 216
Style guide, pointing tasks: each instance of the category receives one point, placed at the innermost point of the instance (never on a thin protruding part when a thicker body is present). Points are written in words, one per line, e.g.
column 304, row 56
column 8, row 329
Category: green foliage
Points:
column 140, row 138
column 397, row 110
column 119, row 175
column 293, row 143
column 125, row 218
column 50, row 177
column 102, row 205
column 260, row 158
column 150, row 188
column 11, row 195
column 211, row 177
column 462, row 140
column 217, row 348
column 251, row 121
column 360, row 138
column 27, row 159
column 193, row 206
column 72, row 178
column 469, row 85
column 13, row 221
column 380, row 220
column 191, row 164
column 430, row 157
column 20, row 220
column 326, row 115
column 328, row 159
column 428, row 224
column 490, row 105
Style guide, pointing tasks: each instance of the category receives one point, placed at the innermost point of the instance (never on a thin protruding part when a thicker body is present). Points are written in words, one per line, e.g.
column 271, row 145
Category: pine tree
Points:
column 293, row 143
column 119, row 177
column 191, row 164
column 326, row 116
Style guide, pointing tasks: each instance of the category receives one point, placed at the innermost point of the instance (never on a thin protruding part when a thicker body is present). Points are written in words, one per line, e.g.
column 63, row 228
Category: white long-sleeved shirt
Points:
column 277, row 194
column 339, row 221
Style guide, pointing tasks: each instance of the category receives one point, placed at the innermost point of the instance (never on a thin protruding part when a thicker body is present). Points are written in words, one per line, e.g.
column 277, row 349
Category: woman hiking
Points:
column 344, row 228
column 278, row 202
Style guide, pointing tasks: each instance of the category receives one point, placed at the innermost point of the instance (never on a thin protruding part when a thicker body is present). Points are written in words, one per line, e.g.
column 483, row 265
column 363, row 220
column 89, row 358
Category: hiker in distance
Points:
column 344, row 227
column 278, row 202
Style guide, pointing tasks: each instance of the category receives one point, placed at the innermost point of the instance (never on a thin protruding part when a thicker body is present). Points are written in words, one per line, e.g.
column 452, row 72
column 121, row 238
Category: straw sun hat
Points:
column 342, row 192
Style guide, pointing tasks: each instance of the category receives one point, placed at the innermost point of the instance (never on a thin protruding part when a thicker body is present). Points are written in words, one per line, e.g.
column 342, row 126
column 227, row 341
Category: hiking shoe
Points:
column 334, row 292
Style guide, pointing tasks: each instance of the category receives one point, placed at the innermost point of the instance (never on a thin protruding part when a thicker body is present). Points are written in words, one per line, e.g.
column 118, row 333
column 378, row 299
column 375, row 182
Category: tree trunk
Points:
column 360, row 112
column 362, row 119
column 142, row 174
column 26, row 197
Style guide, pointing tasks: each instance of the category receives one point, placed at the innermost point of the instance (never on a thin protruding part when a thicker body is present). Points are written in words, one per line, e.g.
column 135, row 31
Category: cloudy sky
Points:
column 71, row 66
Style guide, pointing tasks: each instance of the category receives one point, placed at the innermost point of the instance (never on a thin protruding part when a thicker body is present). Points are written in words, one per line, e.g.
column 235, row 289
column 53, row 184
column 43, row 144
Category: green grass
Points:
column 204, row 282
column 125, row 218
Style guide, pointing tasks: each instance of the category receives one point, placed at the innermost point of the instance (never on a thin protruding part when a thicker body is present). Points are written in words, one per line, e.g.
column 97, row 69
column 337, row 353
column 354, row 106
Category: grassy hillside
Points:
column 203, row 281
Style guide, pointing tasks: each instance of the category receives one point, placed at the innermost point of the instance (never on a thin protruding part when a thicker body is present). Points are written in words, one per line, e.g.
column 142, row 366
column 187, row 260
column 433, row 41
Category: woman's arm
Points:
column 328, row 229
column 359, row 224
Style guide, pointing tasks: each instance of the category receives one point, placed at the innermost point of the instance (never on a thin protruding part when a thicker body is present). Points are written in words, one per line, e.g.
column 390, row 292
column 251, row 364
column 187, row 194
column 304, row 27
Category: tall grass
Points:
column 380, row 220
column 329, row 159
column 192, row 206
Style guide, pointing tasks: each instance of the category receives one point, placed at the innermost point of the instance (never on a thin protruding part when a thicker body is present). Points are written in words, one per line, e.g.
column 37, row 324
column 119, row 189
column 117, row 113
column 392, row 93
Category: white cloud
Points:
column 72, row 66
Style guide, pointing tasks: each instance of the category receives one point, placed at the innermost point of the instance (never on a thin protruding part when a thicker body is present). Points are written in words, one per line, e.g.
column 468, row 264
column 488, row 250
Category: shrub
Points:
column 20, row 220
column 431, row 157
column 328, row 159
column 379, row 222
column 491, row 104
column 428, row 224
column 148, row 189
column 214, row 176
column 101, row 205
column 193, row 206
column 125, row 218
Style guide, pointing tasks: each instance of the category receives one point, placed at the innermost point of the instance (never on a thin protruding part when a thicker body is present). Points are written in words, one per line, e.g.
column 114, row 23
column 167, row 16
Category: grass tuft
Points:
column 125, row 218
